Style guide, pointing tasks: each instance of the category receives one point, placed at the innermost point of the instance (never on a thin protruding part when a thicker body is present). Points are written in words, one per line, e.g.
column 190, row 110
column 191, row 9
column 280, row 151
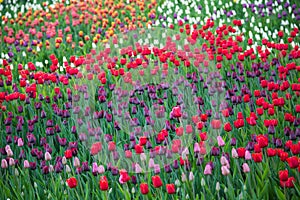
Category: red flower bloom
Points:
column 289, row 183
column 271, row 152
column 257, row 157
column 156, row 181
column 216, row 124
column 72, row 182
column 293, row 162
column 176, row 112
column 283, row 175
column 262, row 141
column 144, row 188
column 241, row 152
column 227, row 127
column 68, row 154
column 170, row 188
column 103, row 183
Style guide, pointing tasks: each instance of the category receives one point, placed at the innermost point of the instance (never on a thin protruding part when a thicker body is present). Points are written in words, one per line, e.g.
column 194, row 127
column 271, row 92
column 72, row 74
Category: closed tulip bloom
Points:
column 170, row 188
column 225, row 170
column 72, row 182
column 48, row 156
column 221, row 142
column 224, row 161
column 9, row 153
column 248, row 155
column 191, row 176
column 20, row 142
column 26, row 164
column 103, row 183
column 207, row 170
column 4, row 164
column 76, row 162
column 144, row 188
column 283, row 175
column 101, row 169
column 68, row 169
column 246, row 168
column 11, row 162
column 156, row 181
column 234, row 153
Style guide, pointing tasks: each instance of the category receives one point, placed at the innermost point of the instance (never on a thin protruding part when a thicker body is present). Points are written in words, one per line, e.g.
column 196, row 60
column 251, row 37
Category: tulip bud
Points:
column 48, row 156
column 4, row 164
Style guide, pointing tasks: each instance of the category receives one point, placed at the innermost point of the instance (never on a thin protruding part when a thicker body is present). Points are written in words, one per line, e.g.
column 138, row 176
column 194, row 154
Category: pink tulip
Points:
column 20, row 142
column 221, row 142
column 9, row 153
column 11, row 162
column 151, row 163
column 246, row 168
column 26, row 164
column 156, row 168
column 225, row 170
column 48, row 156
column 207, row 170
column 234, row 153
column 76, row 162
column 224, row 161
column 101, row 169
column 248, row 155
column 196, row 147
column 4, row 164
column 138, row 169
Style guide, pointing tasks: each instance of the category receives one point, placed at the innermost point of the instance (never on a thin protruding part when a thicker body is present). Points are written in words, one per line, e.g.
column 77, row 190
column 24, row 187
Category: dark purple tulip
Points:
column 45, row 170
column 114, row 171
column 168, row 168
column 2, row 151
column 50, row 131
column 85, row 166
column 31, row 138
column 8, row 129
column 32, row 165
column 8, row 139
column 233, row 142
column 278, row 143
column 199, row 161
column 215, row 151
column 175, row 164
column 73, row 145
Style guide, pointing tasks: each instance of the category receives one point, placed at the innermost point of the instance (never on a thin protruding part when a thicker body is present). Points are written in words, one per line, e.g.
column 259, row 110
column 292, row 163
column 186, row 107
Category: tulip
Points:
column 4, row 164
column 248, row 155
column 156, row 181
column 207, row 170
column 71, row 182
column 48, row 156
column 246, row 168
column 225, row 170
column 170, row 188
column 103, row 183
column 144, row 188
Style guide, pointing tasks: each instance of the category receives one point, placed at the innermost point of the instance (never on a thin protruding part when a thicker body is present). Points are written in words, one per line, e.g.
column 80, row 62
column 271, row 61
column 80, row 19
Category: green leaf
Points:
column 280, row 194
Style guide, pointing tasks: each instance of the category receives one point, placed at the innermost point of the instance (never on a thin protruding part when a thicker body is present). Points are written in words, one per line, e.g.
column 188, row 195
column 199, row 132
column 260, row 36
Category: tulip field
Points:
column 150, row 99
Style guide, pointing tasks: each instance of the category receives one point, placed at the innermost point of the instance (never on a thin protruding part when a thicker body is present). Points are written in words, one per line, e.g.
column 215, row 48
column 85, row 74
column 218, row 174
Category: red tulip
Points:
column 227, row 127
column 156, row 181
column 271, row 152
column 176, row 112
column 103, row 183
column 144, row 188
column 257, row 157
column 293, row 161
column 68, row 154
column 289, row 183
column 72, row 182
column 241, row 152
column 283, row 175
column 262, row 141
column 170, row 188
